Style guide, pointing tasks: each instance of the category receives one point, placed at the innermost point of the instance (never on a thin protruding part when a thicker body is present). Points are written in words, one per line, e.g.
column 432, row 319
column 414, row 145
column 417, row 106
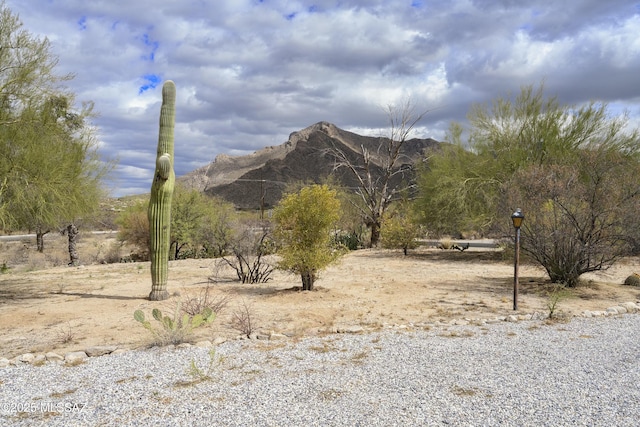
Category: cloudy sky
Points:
column 250, row 72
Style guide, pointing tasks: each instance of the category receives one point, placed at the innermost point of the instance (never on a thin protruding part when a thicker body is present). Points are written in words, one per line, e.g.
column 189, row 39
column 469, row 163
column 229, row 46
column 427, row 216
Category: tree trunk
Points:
column 72, row 234
column 308, row 277
column 40, row 238
column 375, row 234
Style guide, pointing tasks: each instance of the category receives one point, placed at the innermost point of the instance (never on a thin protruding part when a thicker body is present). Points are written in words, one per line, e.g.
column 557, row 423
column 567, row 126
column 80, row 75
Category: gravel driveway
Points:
column 584, row 372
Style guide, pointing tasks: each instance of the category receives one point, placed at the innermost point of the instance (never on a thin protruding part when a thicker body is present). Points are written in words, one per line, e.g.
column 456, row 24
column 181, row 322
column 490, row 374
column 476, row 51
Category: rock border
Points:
column 78, row 357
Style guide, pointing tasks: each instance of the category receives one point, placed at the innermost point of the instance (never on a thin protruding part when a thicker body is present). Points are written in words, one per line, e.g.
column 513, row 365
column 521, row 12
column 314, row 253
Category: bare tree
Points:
column 381, row 174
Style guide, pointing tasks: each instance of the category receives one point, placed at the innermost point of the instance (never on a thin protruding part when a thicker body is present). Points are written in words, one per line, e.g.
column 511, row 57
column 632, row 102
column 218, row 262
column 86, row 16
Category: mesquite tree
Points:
column 161, row 195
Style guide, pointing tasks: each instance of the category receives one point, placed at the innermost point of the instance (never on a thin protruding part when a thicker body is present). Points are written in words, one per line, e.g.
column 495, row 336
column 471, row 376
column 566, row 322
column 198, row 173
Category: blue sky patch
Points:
column 151, row 56
column 82, row 23
column 152, row 80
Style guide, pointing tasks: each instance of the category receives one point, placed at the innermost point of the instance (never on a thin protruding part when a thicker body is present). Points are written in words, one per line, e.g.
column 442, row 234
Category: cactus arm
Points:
column 161, row 195
column 163, row 166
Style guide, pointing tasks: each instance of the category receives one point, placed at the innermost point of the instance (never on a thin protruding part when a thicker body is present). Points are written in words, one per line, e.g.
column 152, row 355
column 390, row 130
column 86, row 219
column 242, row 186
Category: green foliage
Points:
column 350, row 240
column 176, row 329
column 570, row 170
column 400, row 230
column 633, row 280
column 557, row 293
column 457, row 191
column 197, row 374
column 350, row 231
column 577, row 213
column 200, row 225
column 304, row 221
column 133, row 227
column 42, row 188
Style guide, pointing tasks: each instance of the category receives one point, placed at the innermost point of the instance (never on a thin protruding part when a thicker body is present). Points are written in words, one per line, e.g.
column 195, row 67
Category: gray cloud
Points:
column 251, row 72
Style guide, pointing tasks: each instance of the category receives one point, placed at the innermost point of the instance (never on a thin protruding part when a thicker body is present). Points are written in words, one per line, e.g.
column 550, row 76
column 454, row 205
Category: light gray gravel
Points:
column 582, row 373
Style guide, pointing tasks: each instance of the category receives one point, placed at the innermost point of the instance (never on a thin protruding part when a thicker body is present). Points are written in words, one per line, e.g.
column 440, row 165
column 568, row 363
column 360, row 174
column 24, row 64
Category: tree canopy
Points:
column 51, row 169
column 566, row 167
column 303, row 225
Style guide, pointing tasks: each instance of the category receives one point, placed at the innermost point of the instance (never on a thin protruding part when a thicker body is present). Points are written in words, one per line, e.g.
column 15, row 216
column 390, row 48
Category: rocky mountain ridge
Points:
column 258, row 180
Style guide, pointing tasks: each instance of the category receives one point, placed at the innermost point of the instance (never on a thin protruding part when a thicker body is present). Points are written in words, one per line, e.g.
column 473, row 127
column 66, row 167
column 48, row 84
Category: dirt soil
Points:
column 44, row 307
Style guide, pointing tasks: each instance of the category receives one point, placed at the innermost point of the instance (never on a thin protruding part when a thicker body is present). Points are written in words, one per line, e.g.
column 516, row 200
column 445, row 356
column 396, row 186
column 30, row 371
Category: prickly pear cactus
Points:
column 161, row 195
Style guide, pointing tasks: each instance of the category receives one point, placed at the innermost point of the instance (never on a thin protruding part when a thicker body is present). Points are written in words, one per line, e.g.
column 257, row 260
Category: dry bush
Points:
column 249, row 250
column 65, row 335
column 205, row 299
column 113, row 254
column 243, row 319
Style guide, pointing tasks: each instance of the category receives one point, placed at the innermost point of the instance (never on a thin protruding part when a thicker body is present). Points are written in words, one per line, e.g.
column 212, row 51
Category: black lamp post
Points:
column 517, row 217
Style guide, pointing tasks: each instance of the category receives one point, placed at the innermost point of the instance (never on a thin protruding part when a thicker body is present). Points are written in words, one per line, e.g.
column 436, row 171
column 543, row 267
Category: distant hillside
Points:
column 243, row 180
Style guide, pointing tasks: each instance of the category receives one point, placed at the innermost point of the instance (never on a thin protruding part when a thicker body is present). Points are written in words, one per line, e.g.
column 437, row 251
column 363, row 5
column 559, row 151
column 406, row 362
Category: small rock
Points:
column 587, row 313
column 118, row 351
column 75, row 357
column 630, row 306
column 53, row 357
column 277, row 337
column 40, row 359
column 203, row 344
column 100, row 350
column 183, row 345
column 4, row 362
column 620, row 309
column 612, row 311
column 26, row 358
column 350, row 329
column 512, row 318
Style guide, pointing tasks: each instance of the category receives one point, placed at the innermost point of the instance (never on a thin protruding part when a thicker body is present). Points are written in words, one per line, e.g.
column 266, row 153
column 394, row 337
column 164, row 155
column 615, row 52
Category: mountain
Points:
column 261, row 177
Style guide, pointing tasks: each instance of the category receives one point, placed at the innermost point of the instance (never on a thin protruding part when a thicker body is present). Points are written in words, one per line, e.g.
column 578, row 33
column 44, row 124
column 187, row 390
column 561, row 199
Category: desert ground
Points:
column 48, row 306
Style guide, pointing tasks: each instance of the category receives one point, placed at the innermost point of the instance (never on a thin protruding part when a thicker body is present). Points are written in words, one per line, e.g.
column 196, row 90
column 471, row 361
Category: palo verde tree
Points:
column 566, row 167
column 378, row 189
column 50, row 166
column 303, row 224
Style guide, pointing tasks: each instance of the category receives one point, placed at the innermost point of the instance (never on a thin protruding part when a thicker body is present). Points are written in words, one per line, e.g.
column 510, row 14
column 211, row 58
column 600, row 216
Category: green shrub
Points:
column 633, row 280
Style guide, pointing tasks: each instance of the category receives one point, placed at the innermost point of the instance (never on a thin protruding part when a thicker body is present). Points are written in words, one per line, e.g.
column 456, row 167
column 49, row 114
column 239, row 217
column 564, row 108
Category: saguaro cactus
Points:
column 161, row 195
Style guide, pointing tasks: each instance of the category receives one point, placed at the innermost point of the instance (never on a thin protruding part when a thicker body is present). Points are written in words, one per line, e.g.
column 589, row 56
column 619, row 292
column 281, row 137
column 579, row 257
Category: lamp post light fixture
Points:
column 517, row 217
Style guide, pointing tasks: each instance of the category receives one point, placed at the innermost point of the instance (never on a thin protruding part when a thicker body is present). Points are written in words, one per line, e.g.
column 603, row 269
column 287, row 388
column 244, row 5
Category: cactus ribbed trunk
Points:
column 161, row 195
